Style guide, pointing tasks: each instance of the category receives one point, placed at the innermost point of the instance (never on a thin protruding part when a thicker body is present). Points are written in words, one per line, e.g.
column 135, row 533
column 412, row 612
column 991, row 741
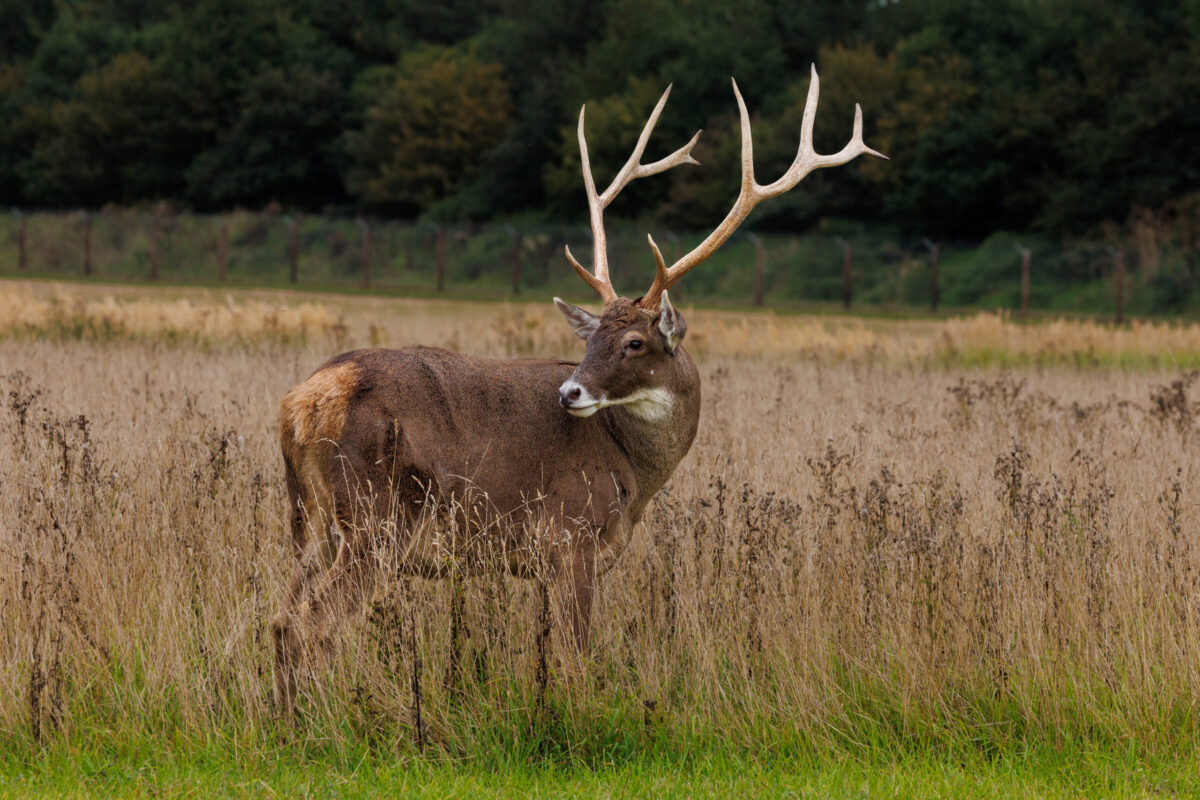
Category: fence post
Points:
column 1119, row 281
column 1026, row 259
column 516, row 258
column 935, row 262
column 153, row 249
column 760, row 259
column 20, row 239
column 365, row 228
column 293, row 248
column 440, row 246
column 87, row 243
column 408, row 248
column 847, row 266
column 223, row 250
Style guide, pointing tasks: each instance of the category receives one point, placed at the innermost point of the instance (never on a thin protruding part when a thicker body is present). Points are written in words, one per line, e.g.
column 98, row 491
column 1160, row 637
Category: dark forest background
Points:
column 1055, row 116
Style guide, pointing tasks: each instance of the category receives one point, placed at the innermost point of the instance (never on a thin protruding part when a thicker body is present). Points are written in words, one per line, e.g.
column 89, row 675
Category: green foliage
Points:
column 278, row 146
column 109, row 142
column 440, row 114
column 1056, row 116
column 259, row 109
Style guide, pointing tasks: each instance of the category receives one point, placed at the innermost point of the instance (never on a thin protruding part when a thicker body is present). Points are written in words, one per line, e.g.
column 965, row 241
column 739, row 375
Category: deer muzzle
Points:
column 577, row 400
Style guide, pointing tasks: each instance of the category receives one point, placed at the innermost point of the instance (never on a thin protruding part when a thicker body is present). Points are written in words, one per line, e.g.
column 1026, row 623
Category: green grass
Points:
column 295, row 770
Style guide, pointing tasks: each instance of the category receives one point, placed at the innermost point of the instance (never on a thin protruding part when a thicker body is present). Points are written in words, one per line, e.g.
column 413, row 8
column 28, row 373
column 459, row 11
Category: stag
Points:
column 396, row 432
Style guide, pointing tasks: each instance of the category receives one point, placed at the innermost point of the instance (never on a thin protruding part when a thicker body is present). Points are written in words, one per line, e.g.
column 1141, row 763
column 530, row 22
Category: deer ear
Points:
column 584, row 323
column 670, row 324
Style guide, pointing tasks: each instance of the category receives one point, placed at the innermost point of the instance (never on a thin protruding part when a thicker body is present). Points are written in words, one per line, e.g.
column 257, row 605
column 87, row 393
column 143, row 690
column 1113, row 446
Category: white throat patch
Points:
column 650, row 404
column 647, row 404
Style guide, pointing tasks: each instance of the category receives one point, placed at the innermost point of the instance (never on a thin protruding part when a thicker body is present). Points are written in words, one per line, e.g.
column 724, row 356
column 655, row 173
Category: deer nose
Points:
column 567, row 396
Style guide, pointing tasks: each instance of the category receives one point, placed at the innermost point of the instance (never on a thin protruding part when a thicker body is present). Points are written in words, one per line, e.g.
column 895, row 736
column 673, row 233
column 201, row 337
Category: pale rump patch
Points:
column 316, row 409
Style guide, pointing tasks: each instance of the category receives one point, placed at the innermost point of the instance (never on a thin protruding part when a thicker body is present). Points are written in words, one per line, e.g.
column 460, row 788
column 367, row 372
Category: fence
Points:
column 853, row 267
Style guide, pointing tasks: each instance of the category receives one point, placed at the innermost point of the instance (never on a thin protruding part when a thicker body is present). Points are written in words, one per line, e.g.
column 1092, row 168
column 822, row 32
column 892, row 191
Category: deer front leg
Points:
column 288, row 649
column 574, row 585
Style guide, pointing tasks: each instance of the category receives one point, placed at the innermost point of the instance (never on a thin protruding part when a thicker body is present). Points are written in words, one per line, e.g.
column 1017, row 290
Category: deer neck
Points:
column 656, row 444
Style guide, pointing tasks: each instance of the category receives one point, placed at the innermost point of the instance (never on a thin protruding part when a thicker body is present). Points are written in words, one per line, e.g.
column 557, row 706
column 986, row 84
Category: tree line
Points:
column 1059, row 116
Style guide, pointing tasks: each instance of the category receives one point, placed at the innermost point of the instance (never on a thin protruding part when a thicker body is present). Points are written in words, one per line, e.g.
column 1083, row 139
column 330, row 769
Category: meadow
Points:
column 903, row 558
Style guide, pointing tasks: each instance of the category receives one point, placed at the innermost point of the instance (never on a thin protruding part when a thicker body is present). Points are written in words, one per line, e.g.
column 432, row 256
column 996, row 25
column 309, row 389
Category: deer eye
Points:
column 634, row 344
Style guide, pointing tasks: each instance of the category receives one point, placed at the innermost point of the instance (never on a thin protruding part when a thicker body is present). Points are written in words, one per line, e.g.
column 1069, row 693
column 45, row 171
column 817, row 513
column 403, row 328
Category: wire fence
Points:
column 850, row 267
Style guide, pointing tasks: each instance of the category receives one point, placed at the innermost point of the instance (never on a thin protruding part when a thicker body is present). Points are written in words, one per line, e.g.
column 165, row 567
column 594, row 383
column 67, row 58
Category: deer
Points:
column 399, row 431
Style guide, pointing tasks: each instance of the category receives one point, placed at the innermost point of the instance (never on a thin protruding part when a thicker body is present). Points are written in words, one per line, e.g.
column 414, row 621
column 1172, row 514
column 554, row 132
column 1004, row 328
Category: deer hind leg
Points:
column 285, row 630
column 308, row 632
column 316, row 536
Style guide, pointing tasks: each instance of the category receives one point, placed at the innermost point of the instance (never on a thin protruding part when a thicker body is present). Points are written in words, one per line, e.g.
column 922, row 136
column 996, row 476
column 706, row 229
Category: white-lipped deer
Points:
column 593, row 442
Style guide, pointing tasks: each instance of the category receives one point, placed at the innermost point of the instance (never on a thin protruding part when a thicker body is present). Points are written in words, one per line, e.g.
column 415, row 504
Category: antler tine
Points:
column 603, row 288
column 660, row 271
column 807, row 159
column 633, row 169
column 748, row 182
column 751, row 193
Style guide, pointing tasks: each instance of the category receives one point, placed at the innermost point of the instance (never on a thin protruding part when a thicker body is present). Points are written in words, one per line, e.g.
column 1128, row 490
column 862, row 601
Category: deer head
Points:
column 632, row 345
column 630, row 358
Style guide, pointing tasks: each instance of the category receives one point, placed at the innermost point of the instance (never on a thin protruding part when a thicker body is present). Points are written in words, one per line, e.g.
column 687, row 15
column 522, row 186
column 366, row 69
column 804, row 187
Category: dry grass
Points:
column 109, row 313
column 856, row 552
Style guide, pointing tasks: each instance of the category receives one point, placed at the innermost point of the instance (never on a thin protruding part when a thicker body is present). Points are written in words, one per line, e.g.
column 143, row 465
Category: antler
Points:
column 598, row 279
column 752, row 193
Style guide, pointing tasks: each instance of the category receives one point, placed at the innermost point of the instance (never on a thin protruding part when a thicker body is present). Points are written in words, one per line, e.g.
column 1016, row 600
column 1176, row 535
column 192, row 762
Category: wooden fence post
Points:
column 847, row 273
column 760, row 267
column 440, row 246
column 87, row 243
column 223, row 250
column 516, row 258
column 1119, row 281
column 365, row 229
column 20, row 240
column 1026, row 259
column 935, row 263
column 154, row 247
column 293, row 248
column 760, row 259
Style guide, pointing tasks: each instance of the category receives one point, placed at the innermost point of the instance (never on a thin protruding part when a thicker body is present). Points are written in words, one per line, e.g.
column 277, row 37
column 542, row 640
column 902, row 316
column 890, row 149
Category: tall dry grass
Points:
column 855, row 553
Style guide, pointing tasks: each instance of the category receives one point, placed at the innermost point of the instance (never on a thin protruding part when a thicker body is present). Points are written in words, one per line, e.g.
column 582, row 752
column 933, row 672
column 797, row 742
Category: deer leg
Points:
column 285, row 631
column 337, row 594
column 286, row 640
column 574, row 585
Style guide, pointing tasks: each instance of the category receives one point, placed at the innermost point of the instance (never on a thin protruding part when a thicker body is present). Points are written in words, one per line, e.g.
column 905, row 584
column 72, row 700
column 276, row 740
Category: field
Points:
column 903, row 558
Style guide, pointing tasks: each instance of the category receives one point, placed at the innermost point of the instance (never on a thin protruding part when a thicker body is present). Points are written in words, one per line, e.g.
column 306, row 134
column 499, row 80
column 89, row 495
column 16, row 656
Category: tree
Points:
column 279, row 146
column 108, row 143
column 429, row 132
column 259, row 90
